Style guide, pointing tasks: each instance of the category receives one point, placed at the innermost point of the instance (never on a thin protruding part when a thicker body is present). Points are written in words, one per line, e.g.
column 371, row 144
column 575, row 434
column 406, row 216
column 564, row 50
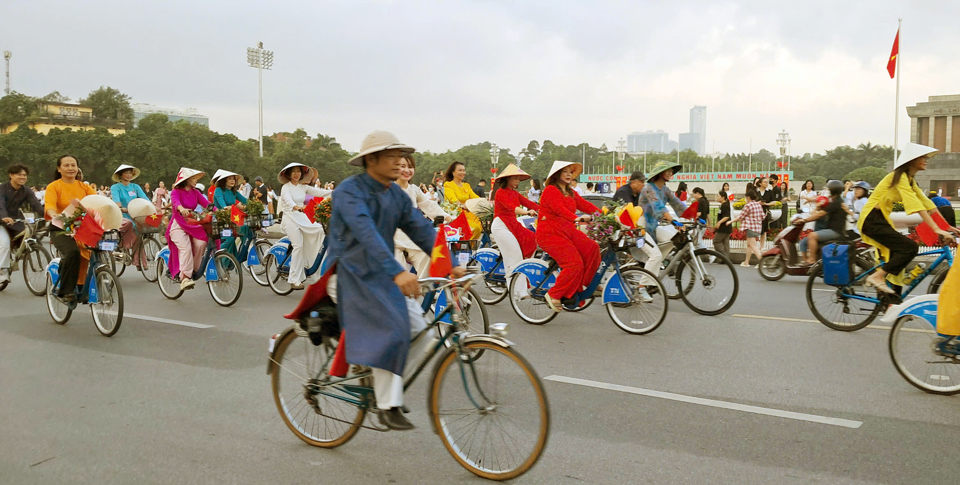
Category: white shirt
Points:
column 293, row 195
column 430, row 209
column 805, row 205
column 245, row 190
column 578, row 190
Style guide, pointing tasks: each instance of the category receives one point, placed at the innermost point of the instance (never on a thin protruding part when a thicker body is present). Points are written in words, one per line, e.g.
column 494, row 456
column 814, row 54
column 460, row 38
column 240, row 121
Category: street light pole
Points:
column 260, row 59
column 6, row 59
column 494, row 157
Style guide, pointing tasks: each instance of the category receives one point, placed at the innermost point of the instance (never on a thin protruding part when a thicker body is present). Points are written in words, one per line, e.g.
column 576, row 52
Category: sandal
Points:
column 881, row 288
column 553, row 304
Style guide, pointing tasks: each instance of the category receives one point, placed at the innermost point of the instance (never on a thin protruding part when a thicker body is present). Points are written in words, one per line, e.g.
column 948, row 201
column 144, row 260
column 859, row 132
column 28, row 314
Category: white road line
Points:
column 813, row 418
column 783, row 319
column 167, row 320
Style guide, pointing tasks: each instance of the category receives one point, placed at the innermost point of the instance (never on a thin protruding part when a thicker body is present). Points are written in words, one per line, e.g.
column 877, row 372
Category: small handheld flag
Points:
column 461, row 223
column 237, row 216
column 440, row 262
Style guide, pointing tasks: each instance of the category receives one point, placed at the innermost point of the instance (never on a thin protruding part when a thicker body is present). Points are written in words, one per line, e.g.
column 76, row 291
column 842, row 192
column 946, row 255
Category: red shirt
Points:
column 556, row 207
column 506, row 202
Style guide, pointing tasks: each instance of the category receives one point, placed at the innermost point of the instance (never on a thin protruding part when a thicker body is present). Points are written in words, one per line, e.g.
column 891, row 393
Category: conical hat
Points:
column 304, row 174
column 911, row 152
column 663, row 166
column 559, row 165
column 513, row 170
column 379, row 141
column 141, row 208
column 122, row 167
column 216, row 175
column 109, row 211
column 184, row 174
column 479, row 205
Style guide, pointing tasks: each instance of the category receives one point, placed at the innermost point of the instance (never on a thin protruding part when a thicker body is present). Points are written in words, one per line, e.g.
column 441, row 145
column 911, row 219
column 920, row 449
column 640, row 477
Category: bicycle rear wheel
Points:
column 34, row 265
column 506, row 434
column 833, row 307
column 299, row 376
column 259, row 271
column 108, row 312
column 148, row 268
column 713, row 292
column 118, row 261
column 911, row 349
column 168, row 286
column 59, row 311
column 528, row 308
column 936, row 280
column 638, row 317
column 226, row 290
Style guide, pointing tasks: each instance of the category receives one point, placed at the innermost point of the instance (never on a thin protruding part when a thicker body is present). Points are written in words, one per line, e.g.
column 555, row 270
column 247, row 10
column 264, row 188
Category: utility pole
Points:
column 260, row 60
column 6, row 58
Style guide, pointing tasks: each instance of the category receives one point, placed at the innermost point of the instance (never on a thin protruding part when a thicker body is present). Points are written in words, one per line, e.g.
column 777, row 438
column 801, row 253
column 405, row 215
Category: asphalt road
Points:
column 166, row 403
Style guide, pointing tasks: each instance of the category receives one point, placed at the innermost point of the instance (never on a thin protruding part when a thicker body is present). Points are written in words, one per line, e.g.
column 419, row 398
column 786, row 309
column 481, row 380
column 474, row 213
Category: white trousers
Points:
column 387, row 386
column 4, row 248
column 654, row 258
column 507, row 244
column 304, row 250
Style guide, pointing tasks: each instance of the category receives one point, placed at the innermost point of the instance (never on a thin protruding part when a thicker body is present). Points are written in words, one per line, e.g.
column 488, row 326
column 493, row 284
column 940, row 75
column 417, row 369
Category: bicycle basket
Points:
column 110, row 241
column 217, row 230
column 485, row 224
column 254, row 221
column 462, row 251
column 680, row 239
column 144, row 228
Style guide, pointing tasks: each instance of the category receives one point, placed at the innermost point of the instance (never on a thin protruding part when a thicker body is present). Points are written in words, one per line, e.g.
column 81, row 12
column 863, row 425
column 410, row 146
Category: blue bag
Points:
column 837, row 264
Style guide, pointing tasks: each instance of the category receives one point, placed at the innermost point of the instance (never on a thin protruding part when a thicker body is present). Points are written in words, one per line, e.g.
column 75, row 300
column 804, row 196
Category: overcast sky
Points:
column 443, row 74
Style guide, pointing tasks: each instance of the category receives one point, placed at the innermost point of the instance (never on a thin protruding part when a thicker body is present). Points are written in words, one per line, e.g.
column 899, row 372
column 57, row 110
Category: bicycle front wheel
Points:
column 529, row 308
column 308, row 404
column 712, row 292
column 640, row 317
column 498, row 428
column 226, row 290
column 34, row 267
column 108, row 311
column 833, row 306
column 911, row 348
column 148, row 267
column 276, row 278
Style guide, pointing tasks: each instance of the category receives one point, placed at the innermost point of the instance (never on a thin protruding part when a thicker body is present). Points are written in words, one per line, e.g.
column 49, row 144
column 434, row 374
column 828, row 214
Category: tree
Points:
column 871, row 175
column 55, row 97
column 109, row 103
column 16, row 108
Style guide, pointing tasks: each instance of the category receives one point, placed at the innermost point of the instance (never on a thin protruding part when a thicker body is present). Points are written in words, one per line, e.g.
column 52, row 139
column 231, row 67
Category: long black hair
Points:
column 448, row 174
column 900, row 171
column 682, row 187
column 500, row 183
column 56, row 173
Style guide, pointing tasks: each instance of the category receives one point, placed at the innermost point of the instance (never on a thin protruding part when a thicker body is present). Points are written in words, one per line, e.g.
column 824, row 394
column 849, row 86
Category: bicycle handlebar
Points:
column 431, row 284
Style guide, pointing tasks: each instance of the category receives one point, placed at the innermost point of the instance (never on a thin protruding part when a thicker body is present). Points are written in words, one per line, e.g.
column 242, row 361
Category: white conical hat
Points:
column 304, row 174
column 379, row 141
column 912, row 151
column 184, row 174
column 513, row 170
column 109, row 211
column 559, row 165
column 141, row 208
column 122, row 167
column 216, row 175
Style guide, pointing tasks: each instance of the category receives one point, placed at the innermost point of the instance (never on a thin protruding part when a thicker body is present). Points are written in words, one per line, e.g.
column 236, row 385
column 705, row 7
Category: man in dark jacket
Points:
column 13, row 195
column 630, row 193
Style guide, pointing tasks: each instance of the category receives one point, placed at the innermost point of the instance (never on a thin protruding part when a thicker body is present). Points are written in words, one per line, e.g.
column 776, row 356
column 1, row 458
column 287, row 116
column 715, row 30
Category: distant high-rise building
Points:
column 650, row 141
column 142, row 110
column 696, row 139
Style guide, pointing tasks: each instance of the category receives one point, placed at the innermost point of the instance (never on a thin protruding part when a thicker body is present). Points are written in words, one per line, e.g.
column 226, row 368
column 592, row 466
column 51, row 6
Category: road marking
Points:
column 167, row 320
column 813, row 418
column 783, row 319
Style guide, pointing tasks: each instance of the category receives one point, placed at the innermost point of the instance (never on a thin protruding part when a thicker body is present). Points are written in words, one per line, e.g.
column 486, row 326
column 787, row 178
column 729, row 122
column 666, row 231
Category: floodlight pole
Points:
column 260, row 59
column 6, row 58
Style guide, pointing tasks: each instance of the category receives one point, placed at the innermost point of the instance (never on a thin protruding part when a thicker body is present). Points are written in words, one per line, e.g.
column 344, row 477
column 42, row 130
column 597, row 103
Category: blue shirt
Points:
column 940, row 201
column 123, row 194
column 225, row 198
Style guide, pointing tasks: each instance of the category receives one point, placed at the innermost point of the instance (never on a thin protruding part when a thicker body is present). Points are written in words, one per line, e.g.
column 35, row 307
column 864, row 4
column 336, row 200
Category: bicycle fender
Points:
column 488, row 338
column 614, row 292
column 284, row 240
column 272, row 350
column 279, row 251
column 536, row 270
column 165, row 255
column 441, row 304
column 253, row 259
column 924, row 307
column 487, row 258
column 53, row 269
column 210, row 273
column 93, row 296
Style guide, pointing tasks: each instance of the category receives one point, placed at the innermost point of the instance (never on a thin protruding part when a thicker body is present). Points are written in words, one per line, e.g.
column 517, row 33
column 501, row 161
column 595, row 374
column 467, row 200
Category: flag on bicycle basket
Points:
column 237, row 216
column 153, row 220
column 90, row 230
column 461, row 223
column 440, row 262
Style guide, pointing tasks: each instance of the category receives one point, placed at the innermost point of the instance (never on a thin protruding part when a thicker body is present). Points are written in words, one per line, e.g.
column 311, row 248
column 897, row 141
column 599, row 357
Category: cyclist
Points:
column 186, row 237
column 65, row 192
column 226, row 195
column 14, row 195
column 836, row 213
column 430, row 208
column 878, row 230
column 557, row 233
column 377, row 309
column 457, row 191
column 122, row 192
column 630, row 194
column 655, row 196
column 514, row 241
column 305, row 235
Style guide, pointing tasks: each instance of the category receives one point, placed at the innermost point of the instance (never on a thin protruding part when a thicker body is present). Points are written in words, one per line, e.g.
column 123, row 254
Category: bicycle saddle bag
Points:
column 838, row 264
column 322, row 321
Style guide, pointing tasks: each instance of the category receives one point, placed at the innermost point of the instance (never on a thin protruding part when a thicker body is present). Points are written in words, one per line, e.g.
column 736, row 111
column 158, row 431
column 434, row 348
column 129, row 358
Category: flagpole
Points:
column 896, row 116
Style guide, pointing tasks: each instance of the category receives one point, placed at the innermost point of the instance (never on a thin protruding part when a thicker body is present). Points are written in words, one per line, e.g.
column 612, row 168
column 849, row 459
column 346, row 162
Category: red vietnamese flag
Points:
column 311, row 209
column 237, row 216
column 440, row 261
column 691, row 211
column 625, row 219
column 461, row 223
column 892, row 63
column 90, row 230
column 153, row 220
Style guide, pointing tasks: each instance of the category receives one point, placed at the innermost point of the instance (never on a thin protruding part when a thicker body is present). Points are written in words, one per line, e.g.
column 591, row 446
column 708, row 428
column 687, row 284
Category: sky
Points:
column 443, row 74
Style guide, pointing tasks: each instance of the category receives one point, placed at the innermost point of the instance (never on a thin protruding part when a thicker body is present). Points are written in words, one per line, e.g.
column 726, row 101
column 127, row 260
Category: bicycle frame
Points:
column 283, row 252
column 674, row 257
column 29, row 237
column 208, row 269
column 97, row 256
column 945, row 255
column 615, row 291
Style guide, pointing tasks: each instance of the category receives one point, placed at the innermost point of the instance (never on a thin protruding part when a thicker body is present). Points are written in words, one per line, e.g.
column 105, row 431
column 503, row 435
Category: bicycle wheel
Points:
column 638, row 317
column 150, row 249
column 528, row 308
column 168, row 286
column 713, row 292
column 505, row 435
column 276, row 278
column 319, row 419
column 118, row 261
column 936, row 279
column 259, row 272
column 108, row 312
column 834, row 308
column 226, row 291
column 59, row 311
column 911, row 349
column 476, row 321
column 34, row 265
column 772, row 267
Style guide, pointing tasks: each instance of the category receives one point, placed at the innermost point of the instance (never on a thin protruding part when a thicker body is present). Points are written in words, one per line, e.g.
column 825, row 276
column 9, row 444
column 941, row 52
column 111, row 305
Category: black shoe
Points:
column 405, row 409
column 394, row 419
column 68, row 298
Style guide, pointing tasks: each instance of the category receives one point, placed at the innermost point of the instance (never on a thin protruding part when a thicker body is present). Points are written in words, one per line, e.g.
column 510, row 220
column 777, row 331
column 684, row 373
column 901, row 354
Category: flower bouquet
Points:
column 604, row 225
column 321, row 213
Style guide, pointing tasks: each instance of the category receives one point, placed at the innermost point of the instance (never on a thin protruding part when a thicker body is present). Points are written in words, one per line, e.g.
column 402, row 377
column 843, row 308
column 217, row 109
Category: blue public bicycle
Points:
column 276, row 264
column 634, row 297
column 101, row 289
column 490, row 263
column 218, row 267
column 853, row 306
column 925, row 358
column 252, row 249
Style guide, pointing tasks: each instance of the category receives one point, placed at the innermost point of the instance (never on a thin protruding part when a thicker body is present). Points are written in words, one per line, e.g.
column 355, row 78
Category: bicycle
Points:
column 252, row 248
column 472, row 308
column 101, row 289
column 912, row 346
column 146, row 244
column 276, row 264
column 220, row 269
column 470, row 413
column 31, row 254
column 625, row 305
column 856, row 305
